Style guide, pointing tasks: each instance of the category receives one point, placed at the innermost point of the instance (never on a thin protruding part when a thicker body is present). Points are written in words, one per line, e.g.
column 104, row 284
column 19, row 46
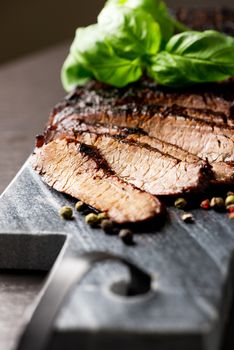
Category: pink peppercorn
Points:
column 205, row 204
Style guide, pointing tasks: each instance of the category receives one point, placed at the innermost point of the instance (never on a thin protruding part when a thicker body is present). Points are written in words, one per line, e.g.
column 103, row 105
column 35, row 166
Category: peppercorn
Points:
column 230, row 208
column 205, row 204
column 188, row 218
column 229, row 200
column 126, row 236
column 80, row 206
column 66, row 213
column 217, row 203
column 230, row 193
column 102, row 216
column 107, row 226
column 231, row 216
column 91, row 219
column 180, row 203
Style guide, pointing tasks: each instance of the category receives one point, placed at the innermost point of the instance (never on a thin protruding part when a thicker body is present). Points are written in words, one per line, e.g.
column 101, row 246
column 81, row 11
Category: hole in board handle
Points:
column 123, row 288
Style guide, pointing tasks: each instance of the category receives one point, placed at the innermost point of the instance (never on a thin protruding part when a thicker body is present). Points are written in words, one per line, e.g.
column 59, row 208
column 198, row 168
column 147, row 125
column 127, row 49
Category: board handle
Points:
column 67, row 274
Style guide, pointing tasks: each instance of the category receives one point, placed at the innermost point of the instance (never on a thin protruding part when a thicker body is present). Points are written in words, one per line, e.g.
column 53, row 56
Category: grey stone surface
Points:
column 17, row 292
column 191, row 266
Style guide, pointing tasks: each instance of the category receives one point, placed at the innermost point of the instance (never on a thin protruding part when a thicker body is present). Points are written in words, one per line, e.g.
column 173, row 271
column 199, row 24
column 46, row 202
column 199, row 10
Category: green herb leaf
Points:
column 194, row 57
column 74, row 73
column 147, row 5
column 159, row 11
column 131, row 33
column 92, row 55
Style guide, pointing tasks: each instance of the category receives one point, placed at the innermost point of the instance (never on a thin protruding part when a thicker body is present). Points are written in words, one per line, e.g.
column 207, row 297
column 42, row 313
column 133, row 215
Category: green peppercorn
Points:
column 102, row 216
column 229, row 200
column 66, row 213
column 180, row 203
column 217, row 203
column 126, row 236
column 80, row 206
column 188, row 218
column 107, row 226
column 230, row 193
column 91, row 219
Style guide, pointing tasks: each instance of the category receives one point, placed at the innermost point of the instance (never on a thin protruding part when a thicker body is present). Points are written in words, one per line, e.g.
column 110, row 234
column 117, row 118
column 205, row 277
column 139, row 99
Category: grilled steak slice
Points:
column 210, row 139
column 146, row 167
column 74, row 128
column 202, row 138
column 137, row 153
column 79, row 170
column 222, row 172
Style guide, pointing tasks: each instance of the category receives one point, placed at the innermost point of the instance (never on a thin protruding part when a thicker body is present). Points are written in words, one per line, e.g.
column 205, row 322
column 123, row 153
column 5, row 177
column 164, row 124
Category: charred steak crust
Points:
column 93, row 153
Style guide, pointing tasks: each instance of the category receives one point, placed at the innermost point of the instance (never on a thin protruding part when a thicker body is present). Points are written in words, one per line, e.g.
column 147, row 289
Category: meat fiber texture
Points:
column 80, row 171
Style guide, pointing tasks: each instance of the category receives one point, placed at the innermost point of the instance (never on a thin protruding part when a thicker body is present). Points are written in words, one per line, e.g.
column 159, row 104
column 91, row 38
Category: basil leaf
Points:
column 95, row 56
column 150, row 6
column 158, row 10
column 74, row 73
column 194, row 57
column 132, row 33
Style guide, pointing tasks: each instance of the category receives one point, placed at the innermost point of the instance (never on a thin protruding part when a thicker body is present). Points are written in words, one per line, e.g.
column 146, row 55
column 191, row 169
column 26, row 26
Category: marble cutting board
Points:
column 191, row 266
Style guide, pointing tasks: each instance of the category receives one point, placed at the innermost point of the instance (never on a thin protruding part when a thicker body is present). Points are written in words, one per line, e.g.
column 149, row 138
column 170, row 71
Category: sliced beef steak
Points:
column 74, row 128
column 101, row 143
column 202, row 138
column 147, row 167
column 79, row 170
column 222, row 172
